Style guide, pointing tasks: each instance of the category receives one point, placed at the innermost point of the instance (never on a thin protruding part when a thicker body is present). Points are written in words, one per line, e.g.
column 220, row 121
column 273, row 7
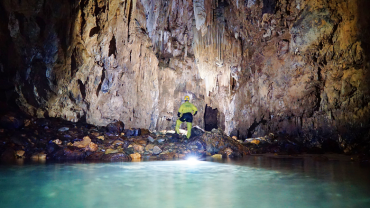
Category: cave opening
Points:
column 210, row 118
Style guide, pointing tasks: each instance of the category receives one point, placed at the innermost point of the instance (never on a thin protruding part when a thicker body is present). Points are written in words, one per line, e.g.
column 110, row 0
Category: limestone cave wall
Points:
column 289, row 67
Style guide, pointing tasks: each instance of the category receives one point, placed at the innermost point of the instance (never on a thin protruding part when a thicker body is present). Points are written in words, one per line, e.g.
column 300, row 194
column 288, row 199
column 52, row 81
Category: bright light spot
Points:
column 192, row 160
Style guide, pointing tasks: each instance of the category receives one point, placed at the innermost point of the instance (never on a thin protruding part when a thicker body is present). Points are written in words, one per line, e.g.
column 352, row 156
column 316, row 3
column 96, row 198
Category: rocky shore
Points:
column 59, row 140
column 56, row 139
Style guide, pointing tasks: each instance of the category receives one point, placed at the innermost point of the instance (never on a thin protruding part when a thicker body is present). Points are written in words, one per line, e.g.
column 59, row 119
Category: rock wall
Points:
column 292, row 67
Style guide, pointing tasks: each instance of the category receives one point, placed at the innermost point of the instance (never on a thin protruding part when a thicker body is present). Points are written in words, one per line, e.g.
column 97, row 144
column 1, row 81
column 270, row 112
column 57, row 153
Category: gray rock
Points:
column 156, row 150
column 63, row 129
column 151, row 139
column 160, row 140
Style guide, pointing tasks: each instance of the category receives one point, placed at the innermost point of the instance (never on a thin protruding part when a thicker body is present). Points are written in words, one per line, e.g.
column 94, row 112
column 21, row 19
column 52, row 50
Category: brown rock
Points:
column 95, row 134
column 111, row 151
column 19, row 153
column 149, row 147
column 141, row 141
column 145, row 132
column 92, row 147
column 84, row 143
column 57, row 141
column 72, row 153
column 135, row 156
column 138, row 148
column 117, row 142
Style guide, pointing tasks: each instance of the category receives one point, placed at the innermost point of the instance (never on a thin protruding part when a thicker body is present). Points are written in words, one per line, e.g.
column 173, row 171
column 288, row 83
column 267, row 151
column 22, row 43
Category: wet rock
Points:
column 160, row 140
column 20, row 153
column 95, row 156
column 129, row 150
column 111, row 151
column 52, row 147
column 149, row 147
column 218, row 156
column 168, row 156
column 95, row 134
column 84, row 143
column 195, row 144
column 196, row 131
column 156, row 150
column 115, row 157
column 39, row 156
column 141, row 141
column 116, row 127
column 57, row 141
column 135, row 156
column 70, row 153
column 27, row 122
column 227, row 152
column 92, row 147
column 133, row 132
column 151, row 139
column 138, row 148
column 63, row 129
column 117, row 142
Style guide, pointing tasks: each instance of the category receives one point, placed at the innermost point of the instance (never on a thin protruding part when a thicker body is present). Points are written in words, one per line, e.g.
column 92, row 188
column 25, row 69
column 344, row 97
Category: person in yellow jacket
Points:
column 186, row 112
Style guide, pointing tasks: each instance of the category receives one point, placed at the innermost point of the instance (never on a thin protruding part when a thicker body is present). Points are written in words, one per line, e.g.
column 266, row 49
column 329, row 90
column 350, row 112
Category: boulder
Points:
column 156, row 150
column 132, row 132
column 116, row 127
column 84, row 143
column 196, row 131
column 151, row 139
column 135, row 156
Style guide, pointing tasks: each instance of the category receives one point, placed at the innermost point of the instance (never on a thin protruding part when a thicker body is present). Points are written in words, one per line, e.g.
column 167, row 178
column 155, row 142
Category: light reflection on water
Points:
column 251, row 182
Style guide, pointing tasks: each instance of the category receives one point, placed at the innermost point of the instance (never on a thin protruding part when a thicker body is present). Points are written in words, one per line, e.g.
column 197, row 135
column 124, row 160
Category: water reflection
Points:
column 251, row 182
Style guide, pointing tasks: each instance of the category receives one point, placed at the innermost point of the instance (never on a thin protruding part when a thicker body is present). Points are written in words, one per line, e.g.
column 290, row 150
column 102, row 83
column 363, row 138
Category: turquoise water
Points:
column 255, row 181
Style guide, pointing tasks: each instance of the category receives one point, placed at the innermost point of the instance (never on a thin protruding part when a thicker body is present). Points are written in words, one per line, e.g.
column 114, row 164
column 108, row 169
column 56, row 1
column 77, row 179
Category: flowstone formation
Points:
column 294, row 68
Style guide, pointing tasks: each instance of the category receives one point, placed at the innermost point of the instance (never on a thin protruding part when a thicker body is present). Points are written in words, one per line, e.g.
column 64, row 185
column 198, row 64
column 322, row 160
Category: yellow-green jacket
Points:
column 187, row 107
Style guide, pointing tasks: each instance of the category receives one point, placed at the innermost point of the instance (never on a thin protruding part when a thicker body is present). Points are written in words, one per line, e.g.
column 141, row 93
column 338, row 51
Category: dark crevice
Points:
column 129, row 20
column 82, row 89
column 94, row 31
column 42, row 25
column 112, row 47
column 83, row 21
column 101, row 82
column 73, row 63
column 232, row 83
column 269, row 6
column 253, row 127
column 210, row 118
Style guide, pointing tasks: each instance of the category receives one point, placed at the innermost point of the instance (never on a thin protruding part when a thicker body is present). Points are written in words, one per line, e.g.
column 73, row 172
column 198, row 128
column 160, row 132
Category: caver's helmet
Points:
column 187, row 98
